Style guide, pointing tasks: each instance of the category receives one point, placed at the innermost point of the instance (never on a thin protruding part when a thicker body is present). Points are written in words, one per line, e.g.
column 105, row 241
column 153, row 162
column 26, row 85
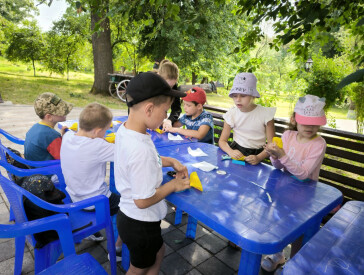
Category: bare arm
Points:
column 223, row 143
column 175, row 185
column 199, row 134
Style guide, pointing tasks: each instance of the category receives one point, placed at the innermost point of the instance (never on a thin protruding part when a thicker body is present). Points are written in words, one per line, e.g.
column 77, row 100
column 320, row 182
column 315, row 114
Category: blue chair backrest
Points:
column 14, row 193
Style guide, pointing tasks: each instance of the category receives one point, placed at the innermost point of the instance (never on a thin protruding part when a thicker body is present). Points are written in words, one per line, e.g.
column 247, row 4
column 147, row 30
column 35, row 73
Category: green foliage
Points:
column 26, row 44
column 357, row 96
column 16, row 11
column 325, row 74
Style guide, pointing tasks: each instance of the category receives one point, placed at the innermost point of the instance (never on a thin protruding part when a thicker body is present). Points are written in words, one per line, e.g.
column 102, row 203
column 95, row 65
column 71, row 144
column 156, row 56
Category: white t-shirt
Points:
column 138, row 172
column 249, row 127
column 83, row 162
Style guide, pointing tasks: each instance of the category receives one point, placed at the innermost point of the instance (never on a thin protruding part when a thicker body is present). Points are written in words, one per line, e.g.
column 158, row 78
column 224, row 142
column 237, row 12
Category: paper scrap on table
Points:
column 204, row 166
column 197, row 152
column 67, row 123
column 174, row 137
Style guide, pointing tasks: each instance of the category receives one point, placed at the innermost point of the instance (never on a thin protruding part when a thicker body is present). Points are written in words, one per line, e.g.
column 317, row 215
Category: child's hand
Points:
column 64, row 130
column 181, row 170
column 274, row 151
column 236, row 154
column 166, row 125
column 253, row 159
column 181, row 184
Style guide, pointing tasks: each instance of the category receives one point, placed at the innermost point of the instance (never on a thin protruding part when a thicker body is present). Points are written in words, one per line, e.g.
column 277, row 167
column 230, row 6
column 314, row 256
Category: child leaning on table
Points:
column 199, row 123
column 138, row 172
column 302, row 153
column 42, row 141
column 253, row 124
column 83, row 160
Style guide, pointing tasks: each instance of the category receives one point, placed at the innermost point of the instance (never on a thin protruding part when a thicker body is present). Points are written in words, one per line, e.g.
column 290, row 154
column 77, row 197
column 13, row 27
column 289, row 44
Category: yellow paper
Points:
column 111, row 125
column 110, row 138
column 159, row 131
column 195, row 181
column 278, row 141
column 74, row 127
column 242, row 158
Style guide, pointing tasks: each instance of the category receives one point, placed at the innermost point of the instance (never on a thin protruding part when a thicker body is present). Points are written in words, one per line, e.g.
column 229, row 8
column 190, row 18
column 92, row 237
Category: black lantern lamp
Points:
column 308, row 64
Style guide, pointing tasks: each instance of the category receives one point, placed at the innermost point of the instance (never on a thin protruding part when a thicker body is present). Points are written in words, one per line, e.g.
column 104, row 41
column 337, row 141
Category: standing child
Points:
column 199, row 123
column 83, row 160
column 42, row 141
column 138, row 173
column 253, row 124
column 169, row 71
column 302, row 153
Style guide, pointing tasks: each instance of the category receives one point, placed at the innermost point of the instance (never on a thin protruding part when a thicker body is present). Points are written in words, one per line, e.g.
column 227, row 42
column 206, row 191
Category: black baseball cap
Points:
column 148, row 85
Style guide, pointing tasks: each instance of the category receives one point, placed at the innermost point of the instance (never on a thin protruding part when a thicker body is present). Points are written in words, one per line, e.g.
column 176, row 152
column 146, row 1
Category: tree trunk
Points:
column 194, row 78
column 33, row 67
column 101, row 48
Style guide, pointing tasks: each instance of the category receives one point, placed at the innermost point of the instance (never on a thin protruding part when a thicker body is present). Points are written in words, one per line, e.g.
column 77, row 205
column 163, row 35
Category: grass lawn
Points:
column 20, row 86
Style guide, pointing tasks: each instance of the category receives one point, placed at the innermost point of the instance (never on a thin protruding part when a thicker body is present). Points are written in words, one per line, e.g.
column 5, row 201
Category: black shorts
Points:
column 114, row 200
column 245, row 151
column 143, row 239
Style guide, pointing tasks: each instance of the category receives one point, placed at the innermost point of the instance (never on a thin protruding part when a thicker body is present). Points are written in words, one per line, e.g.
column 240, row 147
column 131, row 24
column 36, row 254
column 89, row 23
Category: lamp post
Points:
column 308, row 64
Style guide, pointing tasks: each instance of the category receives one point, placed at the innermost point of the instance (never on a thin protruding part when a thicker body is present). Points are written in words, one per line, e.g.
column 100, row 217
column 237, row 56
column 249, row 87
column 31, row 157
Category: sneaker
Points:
column 271, row 262
column 97, row 237
column 118, row 256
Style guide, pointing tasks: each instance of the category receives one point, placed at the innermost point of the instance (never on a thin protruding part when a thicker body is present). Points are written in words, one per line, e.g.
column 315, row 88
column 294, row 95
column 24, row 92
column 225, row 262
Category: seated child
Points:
column 138, row 173
column 302, row 154
column 42, row 141
column 169, row 71
column 199, row 123
column 83, row 160
column 253, row 124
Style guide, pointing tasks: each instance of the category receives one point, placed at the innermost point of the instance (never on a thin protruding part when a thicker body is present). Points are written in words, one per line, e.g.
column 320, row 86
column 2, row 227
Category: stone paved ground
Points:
column 208, row 254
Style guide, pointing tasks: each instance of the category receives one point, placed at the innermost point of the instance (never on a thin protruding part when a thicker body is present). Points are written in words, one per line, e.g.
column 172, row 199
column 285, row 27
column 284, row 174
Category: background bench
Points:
column 343, row 165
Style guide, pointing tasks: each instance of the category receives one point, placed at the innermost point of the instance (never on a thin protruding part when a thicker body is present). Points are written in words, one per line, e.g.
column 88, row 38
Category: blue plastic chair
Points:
column 85, row 222
column 72, row 263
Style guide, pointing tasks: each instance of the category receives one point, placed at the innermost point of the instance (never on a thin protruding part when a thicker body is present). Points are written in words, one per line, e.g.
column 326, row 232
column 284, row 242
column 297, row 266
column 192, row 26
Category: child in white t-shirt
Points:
column 253, row 125
column 138, row 172
column 83, row 160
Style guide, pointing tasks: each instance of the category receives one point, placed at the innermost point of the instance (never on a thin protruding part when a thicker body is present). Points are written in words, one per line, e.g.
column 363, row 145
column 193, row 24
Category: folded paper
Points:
column 174, row 137
column 159, row 131
column 74, row 127
column 278, row 141
column 204, row 166
column 197, row 152
column 195, row 181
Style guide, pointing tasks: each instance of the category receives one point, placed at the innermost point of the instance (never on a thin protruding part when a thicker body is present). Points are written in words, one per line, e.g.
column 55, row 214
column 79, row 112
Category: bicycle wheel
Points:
column 112, row 89
column 121, row 89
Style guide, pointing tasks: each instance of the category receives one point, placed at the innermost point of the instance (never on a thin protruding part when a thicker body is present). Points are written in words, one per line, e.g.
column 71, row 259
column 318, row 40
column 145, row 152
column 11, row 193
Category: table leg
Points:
column 311, row 231
column 125, row 257
column 178, row 216
column 191, row 227
column 249, row 263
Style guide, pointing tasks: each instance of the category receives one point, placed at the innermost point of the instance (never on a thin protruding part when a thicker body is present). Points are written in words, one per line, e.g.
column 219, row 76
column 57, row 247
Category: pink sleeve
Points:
column 276, row 163
column 312, row 160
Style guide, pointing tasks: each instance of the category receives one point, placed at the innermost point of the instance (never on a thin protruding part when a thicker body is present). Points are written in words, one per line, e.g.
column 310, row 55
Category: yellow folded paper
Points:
column 159, row 131
column 111, row 125
column 195, row 181
column 278, row 141
column 110, row 138
column 242, row 158
column 74, row 127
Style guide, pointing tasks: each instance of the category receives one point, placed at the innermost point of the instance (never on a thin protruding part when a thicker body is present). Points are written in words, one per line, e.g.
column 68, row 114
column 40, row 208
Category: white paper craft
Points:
column 67, row 123
column 196, row 153
column 204, row 166
column 174, row 137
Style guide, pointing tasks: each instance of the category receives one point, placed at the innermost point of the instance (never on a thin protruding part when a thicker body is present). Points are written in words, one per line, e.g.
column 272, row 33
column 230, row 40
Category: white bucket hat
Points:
column 310, row 110
column 246, row 84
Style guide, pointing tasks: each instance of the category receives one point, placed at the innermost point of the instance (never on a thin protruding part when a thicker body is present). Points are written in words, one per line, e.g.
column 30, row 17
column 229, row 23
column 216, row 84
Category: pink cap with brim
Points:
column 306, row 120
column 309, row 110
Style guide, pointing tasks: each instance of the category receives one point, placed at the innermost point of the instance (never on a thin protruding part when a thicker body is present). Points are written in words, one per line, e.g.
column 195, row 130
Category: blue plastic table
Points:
column 338, row 248
column 259, row 208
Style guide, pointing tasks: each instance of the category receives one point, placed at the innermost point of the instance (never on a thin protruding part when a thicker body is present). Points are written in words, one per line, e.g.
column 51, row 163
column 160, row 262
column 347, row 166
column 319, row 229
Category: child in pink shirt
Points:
column 302, row 153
